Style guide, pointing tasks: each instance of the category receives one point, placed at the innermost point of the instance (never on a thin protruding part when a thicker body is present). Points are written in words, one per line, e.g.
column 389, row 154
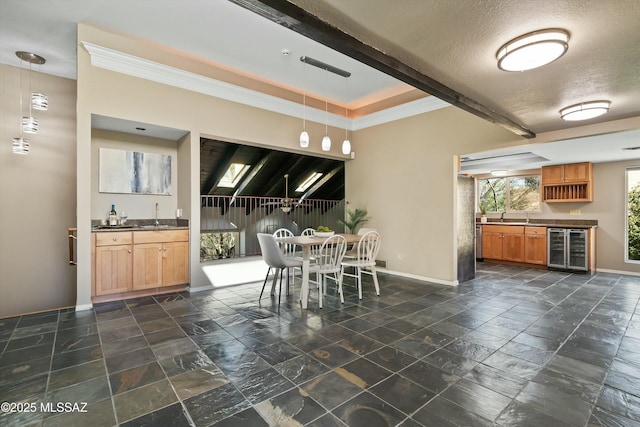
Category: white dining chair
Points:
column 364, row 262
column 353, row 252
column 329, row 264
column 314, row 249
column 273, row 257
column 308, row 232
column 288, row 251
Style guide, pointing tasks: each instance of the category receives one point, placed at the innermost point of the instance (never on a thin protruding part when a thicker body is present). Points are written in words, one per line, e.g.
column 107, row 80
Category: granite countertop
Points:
column 543, row 222
column 142, row 225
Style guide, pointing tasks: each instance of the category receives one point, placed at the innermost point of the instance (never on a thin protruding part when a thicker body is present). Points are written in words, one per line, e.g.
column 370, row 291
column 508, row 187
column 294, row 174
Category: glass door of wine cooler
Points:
column 556, row 249
column 577, row 251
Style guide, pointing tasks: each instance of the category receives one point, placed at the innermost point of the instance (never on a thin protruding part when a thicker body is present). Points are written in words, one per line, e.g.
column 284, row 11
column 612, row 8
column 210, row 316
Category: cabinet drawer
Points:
column 507, row 229
column 536, row 231
column 113, row 238
column 159, row 236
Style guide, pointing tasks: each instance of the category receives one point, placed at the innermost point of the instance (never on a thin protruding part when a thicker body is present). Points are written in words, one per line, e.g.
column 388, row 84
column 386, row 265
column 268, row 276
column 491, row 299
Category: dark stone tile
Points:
column 26, row 354
column 323, row 390
column 174, row 347
column 158, row 325
column 538, row 342
column 568, row 384
column 38, row 329
column 359, row 344
column 429, row 376
column 328, row 420
column 135, row 377
column 76, row 357
column 391, row 358
column 70, row 343
column 201, row 327
column 602, row 418
column 414, row 346
column 526, row 352
column 469, row 350
column 524, row 415
column 171, row 416
column 302, row 368
column 433, row 338
column 402, row 394
column 198, row 381
column 74, row 319
column 450, row 362
column 119, row 333
column 278, row 352
column 247, row 418
column 30, row 341
column 263, row 385
column 76, row 374
column 213, row 338
column 619, row 403
column 123, row 361
column 449, row 328
column 623, row 381
column 37, row 319
column 98, row 414
column 578, row 369
column 333, row 355
column 494, row 379
column 143, row 400
column 124, row 345
column 164, row 335
column 216, row 404
column 384, row 335
column 7, row 326
column 182, row 363
column 19, row 390
column 293, row 407
column 236, row 360
column 359, row 325
column 363, row 373
column 512, row 365
column 556, row 403
column 91, row 391
column 443, row 412
column 366, row 410
column 19, row 372
column 477, row 399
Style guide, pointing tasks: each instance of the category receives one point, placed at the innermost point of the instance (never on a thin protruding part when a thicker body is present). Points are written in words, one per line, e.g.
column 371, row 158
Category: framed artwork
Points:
column 124, row 171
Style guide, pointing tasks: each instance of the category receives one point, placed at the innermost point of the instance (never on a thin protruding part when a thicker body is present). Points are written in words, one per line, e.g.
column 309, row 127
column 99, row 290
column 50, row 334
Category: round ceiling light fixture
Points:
column 585, row 110
column 533, row 50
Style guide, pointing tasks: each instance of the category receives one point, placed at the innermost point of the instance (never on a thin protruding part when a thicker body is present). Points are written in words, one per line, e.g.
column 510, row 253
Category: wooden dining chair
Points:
column 329, row 264
column 364, row 262
column 273, row 257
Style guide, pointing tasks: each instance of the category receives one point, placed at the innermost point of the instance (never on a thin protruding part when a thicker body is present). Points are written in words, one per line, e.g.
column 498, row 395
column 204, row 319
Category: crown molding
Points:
column 131, row 65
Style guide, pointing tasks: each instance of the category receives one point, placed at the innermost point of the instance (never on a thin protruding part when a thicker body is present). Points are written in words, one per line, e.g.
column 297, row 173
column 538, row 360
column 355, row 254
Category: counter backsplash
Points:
column 545, row 222
column 137, row 223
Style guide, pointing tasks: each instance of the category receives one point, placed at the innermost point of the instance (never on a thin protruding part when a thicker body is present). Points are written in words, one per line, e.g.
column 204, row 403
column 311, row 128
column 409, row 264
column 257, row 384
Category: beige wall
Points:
column 137, row 206
column 37, row 198
column 404, row 174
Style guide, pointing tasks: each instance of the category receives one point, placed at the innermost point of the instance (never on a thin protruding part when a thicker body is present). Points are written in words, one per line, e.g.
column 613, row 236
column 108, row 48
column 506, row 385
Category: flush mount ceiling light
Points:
column 585, row 110
column 533, row 50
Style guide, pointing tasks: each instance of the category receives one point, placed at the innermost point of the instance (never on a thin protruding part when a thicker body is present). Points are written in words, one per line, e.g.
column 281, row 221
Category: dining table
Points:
column 306, row 243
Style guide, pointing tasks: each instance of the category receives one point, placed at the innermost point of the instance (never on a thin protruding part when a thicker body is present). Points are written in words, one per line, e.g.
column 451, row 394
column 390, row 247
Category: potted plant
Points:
column 483, row 214
column 355, row 219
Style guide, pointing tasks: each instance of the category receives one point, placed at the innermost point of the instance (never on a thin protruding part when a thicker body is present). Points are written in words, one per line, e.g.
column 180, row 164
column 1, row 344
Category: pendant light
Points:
column 304, row 136
column 326, row 141
column 29, row 123
column 346, row 144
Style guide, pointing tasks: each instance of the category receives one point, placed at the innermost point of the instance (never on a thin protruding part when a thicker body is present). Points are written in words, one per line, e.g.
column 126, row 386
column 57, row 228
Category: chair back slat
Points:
column 368, row 248
column 288, row 249
column 332, row 252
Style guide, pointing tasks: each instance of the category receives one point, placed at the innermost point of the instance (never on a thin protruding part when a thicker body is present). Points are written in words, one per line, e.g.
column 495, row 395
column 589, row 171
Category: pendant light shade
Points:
column 346, row 144
column 326, row 141
column 39, row 101
column 533, row 50
column 20, row 146
column 585, row 110
column 29, row 124
column 304, row 136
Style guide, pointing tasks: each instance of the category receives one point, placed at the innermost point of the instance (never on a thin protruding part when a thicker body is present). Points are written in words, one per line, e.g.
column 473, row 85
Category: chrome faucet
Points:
column 502, row 216
column 157, row 224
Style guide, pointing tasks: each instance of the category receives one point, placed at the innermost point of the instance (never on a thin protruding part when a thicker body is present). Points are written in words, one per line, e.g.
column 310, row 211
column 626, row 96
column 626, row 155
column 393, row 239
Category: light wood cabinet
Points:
column 139, row 260
column 535, row 245
column 503, row 242
column 160, row 258
column 113, row 263
column 567, row 183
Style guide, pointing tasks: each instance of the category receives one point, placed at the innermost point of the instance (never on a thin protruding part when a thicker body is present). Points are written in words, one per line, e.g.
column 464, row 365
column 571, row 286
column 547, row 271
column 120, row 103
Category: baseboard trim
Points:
column 84, row 307
column 626, row 273
column 418, row 277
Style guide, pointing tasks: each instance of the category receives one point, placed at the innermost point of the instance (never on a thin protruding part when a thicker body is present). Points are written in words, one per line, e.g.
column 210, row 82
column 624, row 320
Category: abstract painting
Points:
column 124, row 171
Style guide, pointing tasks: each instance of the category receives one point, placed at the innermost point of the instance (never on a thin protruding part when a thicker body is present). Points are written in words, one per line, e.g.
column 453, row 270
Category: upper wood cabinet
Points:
column 567, row 183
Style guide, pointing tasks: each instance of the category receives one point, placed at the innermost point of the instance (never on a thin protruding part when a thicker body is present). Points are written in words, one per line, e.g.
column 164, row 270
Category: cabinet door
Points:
column 175, row 263
column 147, row 265
column 576, row 172
column 553, row 174
column 535, row 249
column 113, row 269
column 491, row 245
column 513, row 247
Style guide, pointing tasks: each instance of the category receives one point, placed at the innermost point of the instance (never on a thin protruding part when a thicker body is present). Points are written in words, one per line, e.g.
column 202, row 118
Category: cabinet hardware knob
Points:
column 114, row 239
column 129, row 251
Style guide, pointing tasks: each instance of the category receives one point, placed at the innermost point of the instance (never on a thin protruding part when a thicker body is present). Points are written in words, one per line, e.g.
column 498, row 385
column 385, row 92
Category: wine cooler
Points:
column 567, row 249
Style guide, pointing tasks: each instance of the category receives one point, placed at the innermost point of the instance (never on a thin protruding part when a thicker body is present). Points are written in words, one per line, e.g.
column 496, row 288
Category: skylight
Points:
column 233, row 175
column 308, row 182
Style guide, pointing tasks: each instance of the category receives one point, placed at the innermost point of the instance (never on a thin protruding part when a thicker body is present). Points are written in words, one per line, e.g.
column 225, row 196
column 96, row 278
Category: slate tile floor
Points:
column 514, row 347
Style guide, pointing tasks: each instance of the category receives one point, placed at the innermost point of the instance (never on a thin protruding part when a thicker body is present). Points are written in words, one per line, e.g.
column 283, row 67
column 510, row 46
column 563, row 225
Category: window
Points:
column 633, row 215
column 233, row 174
column 510, row 194
column 307, row 182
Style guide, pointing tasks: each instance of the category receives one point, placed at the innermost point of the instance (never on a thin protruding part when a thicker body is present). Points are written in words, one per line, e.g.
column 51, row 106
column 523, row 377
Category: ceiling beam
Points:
column 297, row 19
column 216, row 174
